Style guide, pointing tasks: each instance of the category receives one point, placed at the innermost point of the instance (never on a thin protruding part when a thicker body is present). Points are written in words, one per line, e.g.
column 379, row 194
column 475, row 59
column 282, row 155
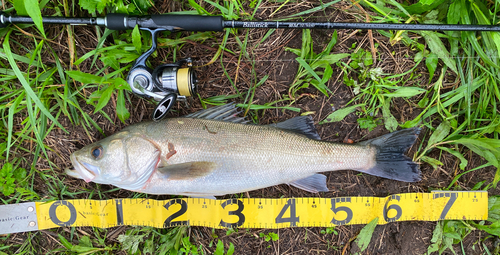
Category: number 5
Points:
column 345, row 209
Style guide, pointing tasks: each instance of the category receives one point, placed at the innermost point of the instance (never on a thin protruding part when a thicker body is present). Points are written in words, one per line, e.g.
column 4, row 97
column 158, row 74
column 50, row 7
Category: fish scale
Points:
column 248, row 156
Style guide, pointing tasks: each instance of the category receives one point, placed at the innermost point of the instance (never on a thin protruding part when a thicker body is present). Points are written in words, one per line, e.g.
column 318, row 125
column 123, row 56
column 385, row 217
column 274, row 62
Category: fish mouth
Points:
column 84, row 171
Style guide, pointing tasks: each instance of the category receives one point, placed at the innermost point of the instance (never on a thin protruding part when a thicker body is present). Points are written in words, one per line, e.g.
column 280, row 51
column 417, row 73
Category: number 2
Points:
column 168, row 222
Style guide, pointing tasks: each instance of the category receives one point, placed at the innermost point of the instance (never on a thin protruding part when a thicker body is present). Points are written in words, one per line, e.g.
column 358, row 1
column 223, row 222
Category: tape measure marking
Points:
column 249, row 212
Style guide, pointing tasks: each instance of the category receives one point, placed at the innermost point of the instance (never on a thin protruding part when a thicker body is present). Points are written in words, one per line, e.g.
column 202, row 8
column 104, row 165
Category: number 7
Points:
column 453, row 197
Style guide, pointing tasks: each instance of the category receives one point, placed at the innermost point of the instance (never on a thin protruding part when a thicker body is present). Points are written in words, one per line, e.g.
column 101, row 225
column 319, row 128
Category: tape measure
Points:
column 244, row 212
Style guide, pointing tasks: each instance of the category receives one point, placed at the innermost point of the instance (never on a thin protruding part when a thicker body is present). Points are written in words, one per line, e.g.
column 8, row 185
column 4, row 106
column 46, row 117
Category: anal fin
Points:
column 199, row 195
column 314, row 183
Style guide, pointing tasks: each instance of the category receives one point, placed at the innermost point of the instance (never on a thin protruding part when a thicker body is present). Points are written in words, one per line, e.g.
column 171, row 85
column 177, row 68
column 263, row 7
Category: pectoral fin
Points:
column 314, row 183
column 190, row 170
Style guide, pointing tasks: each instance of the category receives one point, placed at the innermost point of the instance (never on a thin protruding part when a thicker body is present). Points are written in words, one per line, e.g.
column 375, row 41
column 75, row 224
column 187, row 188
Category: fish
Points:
column 213, row 152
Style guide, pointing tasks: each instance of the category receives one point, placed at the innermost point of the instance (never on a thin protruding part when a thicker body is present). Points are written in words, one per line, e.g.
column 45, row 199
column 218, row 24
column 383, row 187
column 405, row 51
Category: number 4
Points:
column 293, row 219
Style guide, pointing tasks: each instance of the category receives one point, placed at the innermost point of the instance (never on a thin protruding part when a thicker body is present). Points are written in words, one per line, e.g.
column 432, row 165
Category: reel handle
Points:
column 164, row 106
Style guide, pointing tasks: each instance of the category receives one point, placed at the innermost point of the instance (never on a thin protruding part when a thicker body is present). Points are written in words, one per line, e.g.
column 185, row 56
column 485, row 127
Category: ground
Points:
column 271, row 58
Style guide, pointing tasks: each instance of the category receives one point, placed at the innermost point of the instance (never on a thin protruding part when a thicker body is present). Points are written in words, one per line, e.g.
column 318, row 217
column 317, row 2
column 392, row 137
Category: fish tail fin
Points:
column 390, row 160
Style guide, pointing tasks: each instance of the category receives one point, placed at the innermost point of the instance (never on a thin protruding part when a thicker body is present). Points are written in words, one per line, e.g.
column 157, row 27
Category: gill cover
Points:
column 142, row 156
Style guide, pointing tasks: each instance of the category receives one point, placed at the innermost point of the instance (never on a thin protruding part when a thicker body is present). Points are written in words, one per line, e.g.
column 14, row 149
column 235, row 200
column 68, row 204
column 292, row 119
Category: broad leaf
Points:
column 437, row 47
column 340, row 114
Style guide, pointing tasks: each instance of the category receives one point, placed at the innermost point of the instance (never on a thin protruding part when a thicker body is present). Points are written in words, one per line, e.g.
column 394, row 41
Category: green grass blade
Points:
column 10, row 122
column 25, row 84
column 312, row 10
column 321, row 85
column 36, row 15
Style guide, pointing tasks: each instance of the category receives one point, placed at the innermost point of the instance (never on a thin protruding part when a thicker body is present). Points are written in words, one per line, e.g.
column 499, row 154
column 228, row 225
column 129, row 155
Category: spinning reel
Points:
column 167, row 83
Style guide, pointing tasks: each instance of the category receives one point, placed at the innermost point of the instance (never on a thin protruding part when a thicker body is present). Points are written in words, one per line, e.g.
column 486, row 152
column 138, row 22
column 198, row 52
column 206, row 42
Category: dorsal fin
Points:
column 226, row 112
column 301, row 124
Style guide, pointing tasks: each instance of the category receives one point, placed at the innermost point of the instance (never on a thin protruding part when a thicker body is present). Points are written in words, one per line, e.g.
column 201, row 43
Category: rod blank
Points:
column 364, row 26
column 199, row 23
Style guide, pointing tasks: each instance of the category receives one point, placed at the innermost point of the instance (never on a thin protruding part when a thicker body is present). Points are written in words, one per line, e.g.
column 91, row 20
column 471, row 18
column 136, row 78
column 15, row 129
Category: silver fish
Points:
column 212, row 153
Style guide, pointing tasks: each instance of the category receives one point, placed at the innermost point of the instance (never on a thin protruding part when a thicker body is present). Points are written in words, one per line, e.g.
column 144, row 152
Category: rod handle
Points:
column 170, row 22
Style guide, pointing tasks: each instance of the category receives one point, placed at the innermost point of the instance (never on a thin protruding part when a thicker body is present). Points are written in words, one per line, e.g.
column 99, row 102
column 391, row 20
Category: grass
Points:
column 457, row 101
column 466, row 115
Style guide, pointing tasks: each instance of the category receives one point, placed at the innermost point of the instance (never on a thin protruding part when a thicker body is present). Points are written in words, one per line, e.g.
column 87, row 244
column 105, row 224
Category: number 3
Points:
column 241, row 217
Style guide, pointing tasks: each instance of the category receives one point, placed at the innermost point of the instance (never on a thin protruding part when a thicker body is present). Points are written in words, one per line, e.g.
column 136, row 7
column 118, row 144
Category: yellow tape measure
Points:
column 245, row 212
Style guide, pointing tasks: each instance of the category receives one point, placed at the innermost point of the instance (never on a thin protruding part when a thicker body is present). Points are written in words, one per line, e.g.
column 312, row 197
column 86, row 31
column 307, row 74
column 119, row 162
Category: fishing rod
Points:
column 168, row 83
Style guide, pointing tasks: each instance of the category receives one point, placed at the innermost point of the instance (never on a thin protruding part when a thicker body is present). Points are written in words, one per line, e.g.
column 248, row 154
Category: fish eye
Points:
column 97, row 152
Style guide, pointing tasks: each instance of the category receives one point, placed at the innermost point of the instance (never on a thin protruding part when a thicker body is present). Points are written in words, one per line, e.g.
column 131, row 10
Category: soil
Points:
column 271, row 59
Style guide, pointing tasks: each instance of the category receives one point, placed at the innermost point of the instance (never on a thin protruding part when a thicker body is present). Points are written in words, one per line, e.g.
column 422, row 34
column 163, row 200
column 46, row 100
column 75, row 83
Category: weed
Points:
column 85, row 246
column 312, row 65
column 365, row 235
column 375, row 90
column 330, row 246
column 120, row 6
column 219, row 250
column 149, row 240
column 448, row 233
column 14, row 181
column 329, row 230
column 368, row 122
column 270, row 236
column 230, row 231
column 462, row 118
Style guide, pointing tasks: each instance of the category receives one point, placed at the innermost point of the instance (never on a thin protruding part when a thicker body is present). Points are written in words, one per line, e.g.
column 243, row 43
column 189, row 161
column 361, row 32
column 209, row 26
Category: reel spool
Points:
column 174, row 77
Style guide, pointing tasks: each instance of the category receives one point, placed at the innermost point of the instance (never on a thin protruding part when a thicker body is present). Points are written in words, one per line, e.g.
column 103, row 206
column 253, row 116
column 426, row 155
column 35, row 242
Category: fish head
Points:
column 125, row 160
